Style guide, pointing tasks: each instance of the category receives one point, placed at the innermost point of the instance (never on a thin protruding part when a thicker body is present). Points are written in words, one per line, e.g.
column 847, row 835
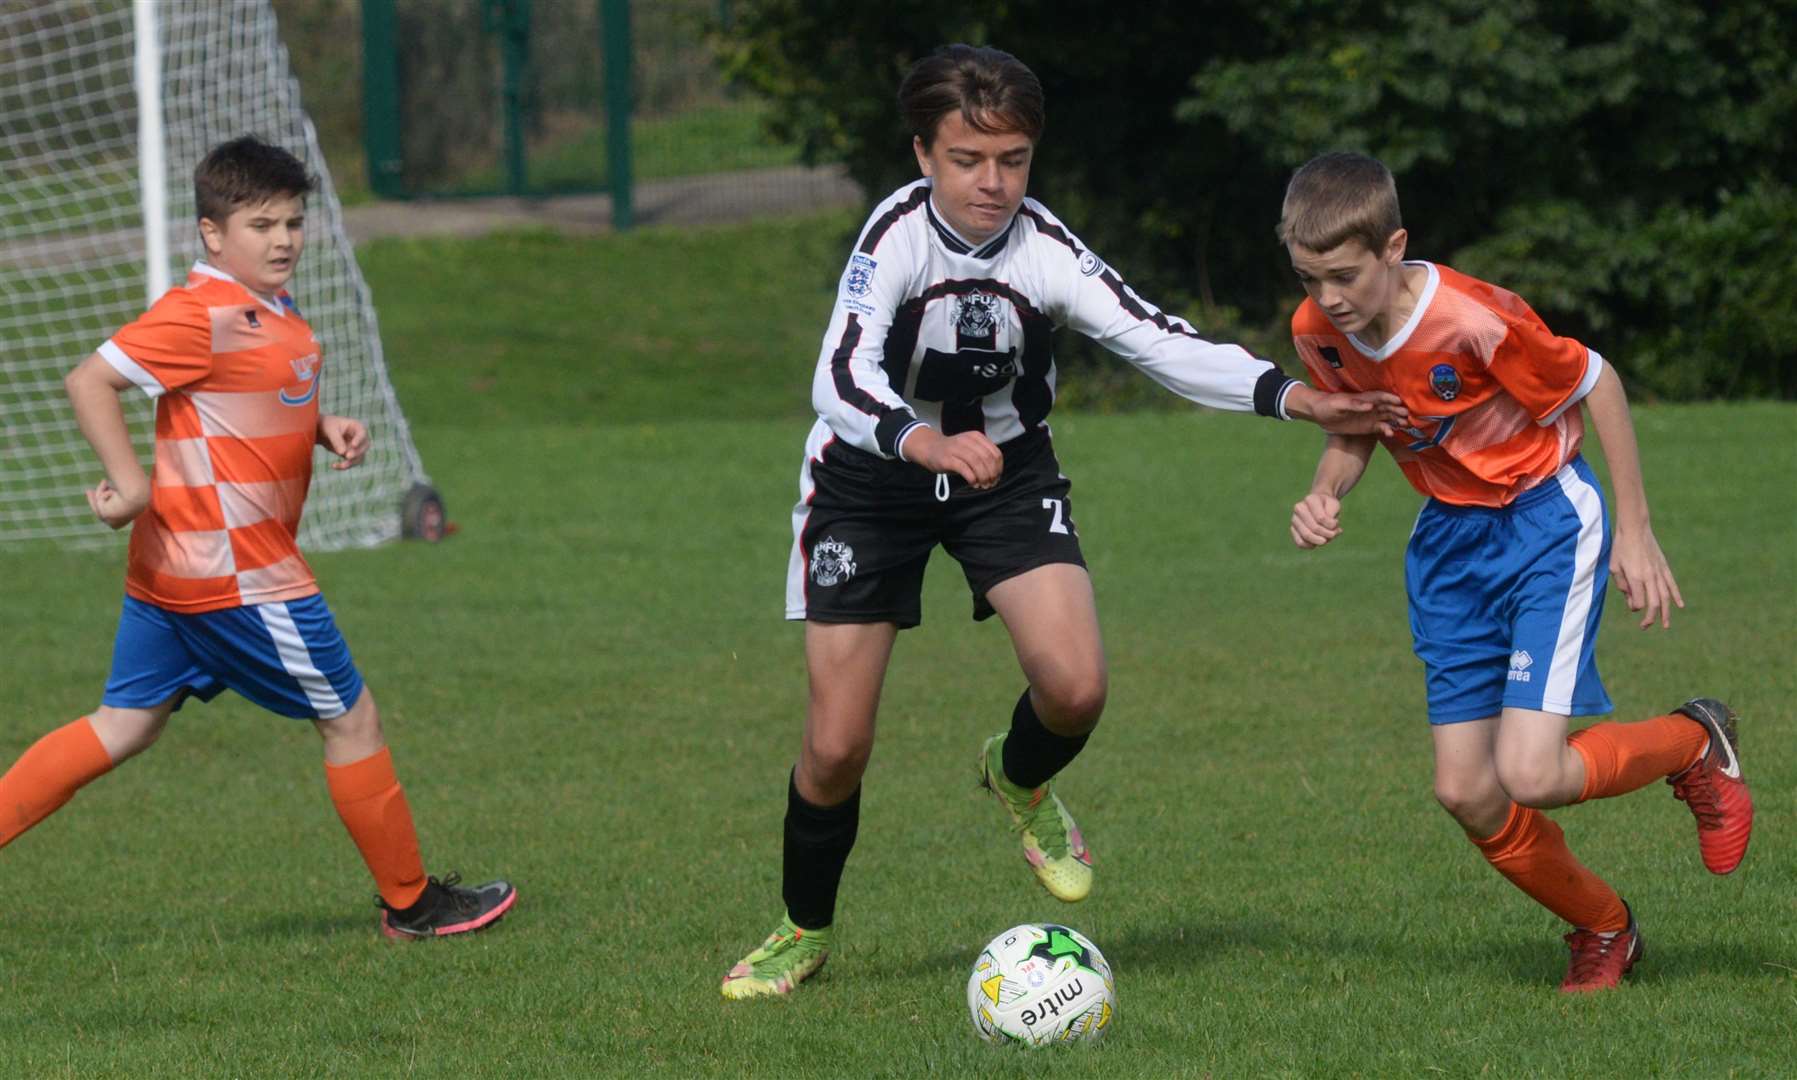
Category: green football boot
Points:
column 789, row 956
column 1051, row 841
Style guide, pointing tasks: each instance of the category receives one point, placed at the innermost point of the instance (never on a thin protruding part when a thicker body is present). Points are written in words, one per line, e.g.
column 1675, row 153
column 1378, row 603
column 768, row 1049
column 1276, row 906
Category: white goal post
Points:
column 106, row 106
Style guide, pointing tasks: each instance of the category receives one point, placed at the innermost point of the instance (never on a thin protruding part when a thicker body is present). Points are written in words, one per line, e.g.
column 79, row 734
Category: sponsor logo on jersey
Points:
column 1331, row 355
column 976, row 314
column 250, row 317
column 305, row 370
column 832, row 562
column 1445, row 381
column 861, row 275
column 1520, row 661
column 1090, row 264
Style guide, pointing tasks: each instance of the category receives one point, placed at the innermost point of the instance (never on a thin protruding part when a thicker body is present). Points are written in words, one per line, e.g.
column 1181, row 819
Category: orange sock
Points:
column 1622, row 757
column 374, row 810
column 1531, row 851
column 48, row 775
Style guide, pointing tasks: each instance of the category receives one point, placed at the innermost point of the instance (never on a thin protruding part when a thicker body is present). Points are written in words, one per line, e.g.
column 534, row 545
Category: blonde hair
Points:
column 1337, row 197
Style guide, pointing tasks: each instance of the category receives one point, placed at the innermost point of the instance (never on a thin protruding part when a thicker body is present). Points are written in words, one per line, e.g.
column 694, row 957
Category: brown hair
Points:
column 994, row 92
column 246, row 172
column 1337, row 197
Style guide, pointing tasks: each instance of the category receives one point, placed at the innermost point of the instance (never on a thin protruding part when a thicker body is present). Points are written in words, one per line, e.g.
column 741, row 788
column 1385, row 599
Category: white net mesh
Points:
column 72, row 247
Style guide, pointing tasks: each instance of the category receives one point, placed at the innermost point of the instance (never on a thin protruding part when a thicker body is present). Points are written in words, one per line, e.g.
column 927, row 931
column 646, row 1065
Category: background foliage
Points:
column 1626, row 166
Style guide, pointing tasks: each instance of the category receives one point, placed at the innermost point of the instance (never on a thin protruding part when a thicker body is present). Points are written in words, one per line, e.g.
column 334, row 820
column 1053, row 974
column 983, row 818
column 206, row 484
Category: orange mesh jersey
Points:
column 1491, row 391
column 236, row 383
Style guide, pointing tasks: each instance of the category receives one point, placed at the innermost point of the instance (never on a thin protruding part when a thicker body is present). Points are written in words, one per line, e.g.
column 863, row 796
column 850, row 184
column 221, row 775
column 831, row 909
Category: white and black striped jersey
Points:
column 930, row 329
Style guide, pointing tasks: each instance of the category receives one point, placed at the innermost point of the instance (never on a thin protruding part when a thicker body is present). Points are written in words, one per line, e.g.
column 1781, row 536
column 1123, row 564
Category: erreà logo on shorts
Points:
column 1520, row 660
column 1051, row 1005
column 832, row 562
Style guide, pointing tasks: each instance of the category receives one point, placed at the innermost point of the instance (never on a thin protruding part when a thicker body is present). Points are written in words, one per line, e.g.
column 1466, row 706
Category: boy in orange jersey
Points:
column 217, row 593
column 1506, row 566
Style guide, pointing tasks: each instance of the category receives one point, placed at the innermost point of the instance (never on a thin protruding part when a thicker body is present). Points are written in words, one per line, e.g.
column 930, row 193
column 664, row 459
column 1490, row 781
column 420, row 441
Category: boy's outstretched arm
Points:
column 93, row 388
column 1369, row 412
column 345, row 437
column 1636, row 562
column 1316, row 519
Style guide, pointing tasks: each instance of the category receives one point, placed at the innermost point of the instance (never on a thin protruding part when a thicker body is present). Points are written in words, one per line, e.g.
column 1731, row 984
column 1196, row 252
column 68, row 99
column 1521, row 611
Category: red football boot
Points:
column 1714, row 790
column 1599, row 961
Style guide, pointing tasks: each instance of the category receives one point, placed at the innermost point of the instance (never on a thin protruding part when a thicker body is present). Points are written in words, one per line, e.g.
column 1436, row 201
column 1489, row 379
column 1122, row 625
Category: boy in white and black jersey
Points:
column 932, row 390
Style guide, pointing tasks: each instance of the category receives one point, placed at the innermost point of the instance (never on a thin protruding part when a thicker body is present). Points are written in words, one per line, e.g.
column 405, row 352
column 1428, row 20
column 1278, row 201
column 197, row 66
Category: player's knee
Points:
column 836, row 751
column 128, row 732
column 1468, row 801
column 356, row 733
column 1531, row 783
column 1071, row 705
column 837, row 764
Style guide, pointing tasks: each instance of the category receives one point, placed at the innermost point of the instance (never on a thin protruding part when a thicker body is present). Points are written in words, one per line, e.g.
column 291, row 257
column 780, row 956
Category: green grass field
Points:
column 589, row 689
column 697, row 141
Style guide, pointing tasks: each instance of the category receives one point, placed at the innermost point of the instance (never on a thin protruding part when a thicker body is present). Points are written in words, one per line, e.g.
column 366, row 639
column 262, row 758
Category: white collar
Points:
column 1397, row 340
column 206, row 269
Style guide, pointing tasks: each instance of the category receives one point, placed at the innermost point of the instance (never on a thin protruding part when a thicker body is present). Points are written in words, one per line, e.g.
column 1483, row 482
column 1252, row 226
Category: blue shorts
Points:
column 287, row 657
column 1504, row 603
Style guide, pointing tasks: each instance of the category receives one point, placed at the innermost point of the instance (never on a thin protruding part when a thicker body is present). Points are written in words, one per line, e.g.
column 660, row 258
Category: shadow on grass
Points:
column 302, row 925
column 1529, row 960
column 1174, row 946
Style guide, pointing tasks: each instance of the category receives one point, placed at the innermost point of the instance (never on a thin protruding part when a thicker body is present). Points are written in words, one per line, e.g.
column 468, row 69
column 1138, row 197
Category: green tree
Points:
column 1626, row 166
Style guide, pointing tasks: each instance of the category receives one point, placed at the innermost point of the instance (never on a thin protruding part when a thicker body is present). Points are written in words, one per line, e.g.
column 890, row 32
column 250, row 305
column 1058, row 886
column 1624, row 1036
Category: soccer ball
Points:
column 1041, row 984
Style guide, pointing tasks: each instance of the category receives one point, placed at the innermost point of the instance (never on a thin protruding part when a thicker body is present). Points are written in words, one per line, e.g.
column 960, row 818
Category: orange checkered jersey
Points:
column 1491, row 391
column 236, row 386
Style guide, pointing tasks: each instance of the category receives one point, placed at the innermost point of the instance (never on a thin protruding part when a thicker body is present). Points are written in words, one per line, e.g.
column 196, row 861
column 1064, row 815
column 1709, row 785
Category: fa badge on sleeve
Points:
column 861, row 275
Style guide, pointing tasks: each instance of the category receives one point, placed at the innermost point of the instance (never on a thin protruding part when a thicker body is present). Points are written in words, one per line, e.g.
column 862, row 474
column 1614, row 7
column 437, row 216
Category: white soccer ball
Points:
column 1041, row 984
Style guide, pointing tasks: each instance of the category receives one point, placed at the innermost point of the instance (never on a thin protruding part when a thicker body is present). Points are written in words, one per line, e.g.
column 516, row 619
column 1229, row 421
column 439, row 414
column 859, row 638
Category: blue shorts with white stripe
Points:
column 287, row 657
column 1505, row 602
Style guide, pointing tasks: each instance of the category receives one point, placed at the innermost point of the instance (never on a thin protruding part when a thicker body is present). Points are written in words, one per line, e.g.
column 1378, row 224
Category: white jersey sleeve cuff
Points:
column 130, row 369
column 898, row 444
column 1594, row 367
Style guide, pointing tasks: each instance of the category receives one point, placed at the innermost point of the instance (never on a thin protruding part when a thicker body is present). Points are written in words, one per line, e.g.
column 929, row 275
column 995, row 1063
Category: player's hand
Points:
column 1640, row 570
column 115, row 507
column 1369, row 412
column 1316, row 520
column 346, row 438
column 969, row 455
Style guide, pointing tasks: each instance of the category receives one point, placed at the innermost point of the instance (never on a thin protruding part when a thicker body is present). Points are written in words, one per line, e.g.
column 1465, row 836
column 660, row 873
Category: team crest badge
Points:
column 250, row 317
column 1445, row 381
column 861, row 274
column 832, row 562
column 305, row 370
column 1331, row 355
column 976, row 314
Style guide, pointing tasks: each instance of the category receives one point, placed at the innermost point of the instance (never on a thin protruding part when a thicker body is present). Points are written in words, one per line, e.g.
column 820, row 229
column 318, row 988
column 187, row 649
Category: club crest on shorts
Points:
column 976, row 314
column 1445, row 381
column 861, row 274
column 832, row 562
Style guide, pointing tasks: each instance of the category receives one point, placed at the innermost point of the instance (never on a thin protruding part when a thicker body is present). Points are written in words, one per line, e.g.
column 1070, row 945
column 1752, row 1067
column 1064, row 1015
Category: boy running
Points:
column 933, row 389
column 1507, row 563
column 217, row 594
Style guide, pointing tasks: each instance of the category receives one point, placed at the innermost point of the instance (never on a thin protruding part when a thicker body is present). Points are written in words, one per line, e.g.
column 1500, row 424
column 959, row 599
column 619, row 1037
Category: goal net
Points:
column 84, row 249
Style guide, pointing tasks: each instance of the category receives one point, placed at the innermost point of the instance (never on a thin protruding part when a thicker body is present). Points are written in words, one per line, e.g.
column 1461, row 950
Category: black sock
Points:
column 818, row 840
column 1032, row 754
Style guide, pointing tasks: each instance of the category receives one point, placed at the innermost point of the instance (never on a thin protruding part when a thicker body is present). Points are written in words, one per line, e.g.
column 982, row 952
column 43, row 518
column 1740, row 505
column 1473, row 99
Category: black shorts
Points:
column 865, row 526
